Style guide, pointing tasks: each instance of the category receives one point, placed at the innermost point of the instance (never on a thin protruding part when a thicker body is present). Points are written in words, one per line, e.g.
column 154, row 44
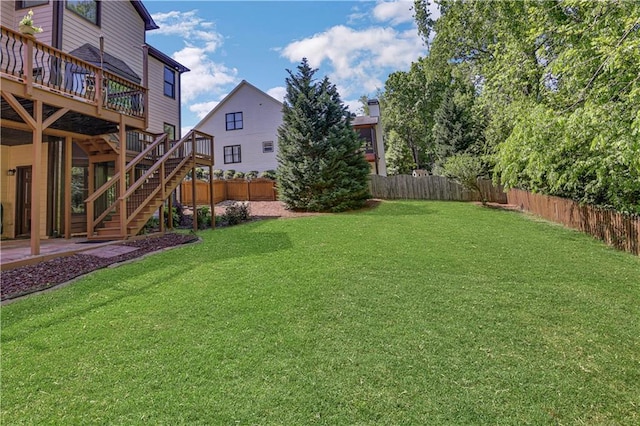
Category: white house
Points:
column 245, row 126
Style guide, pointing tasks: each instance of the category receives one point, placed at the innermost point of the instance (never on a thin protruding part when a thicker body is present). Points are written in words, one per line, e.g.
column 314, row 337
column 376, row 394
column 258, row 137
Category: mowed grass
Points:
column 410, row 313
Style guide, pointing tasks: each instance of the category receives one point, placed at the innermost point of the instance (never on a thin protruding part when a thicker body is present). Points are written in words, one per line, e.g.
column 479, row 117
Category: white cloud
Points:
column 206, row 76
column 359, row 58
column 396, row 12
column 354, row 106
column 200, row 39
column 277, row 93
column 188, row 25
column 201, row 109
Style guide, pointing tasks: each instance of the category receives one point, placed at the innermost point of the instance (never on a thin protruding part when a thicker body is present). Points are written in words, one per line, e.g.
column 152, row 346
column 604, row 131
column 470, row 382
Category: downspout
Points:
column 58, row 17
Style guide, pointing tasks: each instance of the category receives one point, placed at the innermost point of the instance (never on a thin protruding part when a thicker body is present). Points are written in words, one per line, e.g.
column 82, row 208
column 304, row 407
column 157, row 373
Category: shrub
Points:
column 269, row 174
column 218, row 174
column 466, row 169
column 237, row 213
column 238, row 175
column 252, row 174
column 153, row 224
column 228, row 174
column 178, row 215
column 204, row 217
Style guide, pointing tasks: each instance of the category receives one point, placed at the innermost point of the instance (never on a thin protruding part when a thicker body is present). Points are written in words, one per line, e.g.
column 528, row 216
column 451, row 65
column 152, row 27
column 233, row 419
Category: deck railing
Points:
column 34, row 63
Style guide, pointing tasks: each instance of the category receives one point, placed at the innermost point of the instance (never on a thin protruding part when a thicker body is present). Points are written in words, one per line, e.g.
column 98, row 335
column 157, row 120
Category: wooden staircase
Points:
column 159, row 170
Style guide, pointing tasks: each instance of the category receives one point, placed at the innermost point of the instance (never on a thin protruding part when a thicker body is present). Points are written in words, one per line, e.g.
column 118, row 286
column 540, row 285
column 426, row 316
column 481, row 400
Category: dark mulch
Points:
column 29, row 279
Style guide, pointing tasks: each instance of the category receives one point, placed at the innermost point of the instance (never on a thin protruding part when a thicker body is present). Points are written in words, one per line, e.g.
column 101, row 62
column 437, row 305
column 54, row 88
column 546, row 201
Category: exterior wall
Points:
column 13, row 157
column 5, row 183
column 121, row 26
column 162, row 109
column 42, row 17
column 382, row 164
column 262, row 115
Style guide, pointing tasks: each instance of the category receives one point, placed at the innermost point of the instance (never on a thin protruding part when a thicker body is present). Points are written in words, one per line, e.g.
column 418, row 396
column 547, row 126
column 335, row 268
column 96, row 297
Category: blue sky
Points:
column 356, row 43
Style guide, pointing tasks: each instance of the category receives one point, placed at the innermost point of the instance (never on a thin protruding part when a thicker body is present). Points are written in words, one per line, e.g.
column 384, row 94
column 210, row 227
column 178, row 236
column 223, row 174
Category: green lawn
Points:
column 411, row 313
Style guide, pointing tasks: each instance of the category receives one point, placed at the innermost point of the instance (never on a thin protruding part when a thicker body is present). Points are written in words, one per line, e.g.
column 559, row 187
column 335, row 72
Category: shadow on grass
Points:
column 400, row 208
column 110, row 293
column 242, row 244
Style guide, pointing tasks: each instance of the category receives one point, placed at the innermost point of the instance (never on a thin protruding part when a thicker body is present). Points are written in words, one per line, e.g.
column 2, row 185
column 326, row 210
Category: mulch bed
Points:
column 29, row 279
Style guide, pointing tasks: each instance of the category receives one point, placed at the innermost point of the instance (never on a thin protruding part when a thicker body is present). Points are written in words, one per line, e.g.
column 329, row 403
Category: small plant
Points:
column 153, row 224
column 251, row 175
column 176, row 215
column 204, row 217
column 237, row 213
column 228, row 174
column 218, row 174
column 26, row 24
column 238, row 175
column 466, row 169
column 269, row 174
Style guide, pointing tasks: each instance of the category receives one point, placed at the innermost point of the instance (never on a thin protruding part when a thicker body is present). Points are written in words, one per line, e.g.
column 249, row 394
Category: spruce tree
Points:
column 321, row 165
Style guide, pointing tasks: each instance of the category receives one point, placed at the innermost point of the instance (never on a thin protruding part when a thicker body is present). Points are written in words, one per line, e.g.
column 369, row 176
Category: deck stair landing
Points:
column 159, row 169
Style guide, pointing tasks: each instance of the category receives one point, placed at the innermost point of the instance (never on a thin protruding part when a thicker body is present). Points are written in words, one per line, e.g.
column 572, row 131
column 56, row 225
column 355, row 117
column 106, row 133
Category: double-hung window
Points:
column 169, row 82
column 26, row 4
column 234, row 121
column 232, row 154
column 88, row 9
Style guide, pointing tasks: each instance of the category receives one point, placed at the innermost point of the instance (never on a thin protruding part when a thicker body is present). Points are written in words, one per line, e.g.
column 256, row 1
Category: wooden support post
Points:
column 27, row 61
column 68, row 164
column 162, row 197
column 145, row 84
column 211, row 198
column 193, row 197
column 122, row 162
column 193, row 182
column 36, row 178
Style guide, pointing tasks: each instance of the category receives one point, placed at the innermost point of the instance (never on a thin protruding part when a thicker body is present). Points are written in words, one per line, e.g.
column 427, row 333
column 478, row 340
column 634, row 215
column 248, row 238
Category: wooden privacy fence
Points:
column 616, row 229
column 431, row 188
column 234, row 189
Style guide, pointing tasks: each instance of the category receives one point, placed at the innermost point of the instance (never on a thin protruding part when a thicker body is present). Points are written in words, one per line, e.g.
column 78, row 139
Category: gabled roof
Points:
column 164, row 58
column 149, row 23
column 91, row 54
column 230, row 95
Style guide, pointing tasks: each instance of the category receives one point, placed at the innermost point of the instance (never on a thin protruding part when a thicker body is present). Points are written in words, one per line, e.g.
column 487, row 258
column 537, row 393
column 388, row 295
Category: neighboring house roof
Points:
column 91, row 54
column 162, row 57
column 364, row 120
column 230, row 95
column 149, row 23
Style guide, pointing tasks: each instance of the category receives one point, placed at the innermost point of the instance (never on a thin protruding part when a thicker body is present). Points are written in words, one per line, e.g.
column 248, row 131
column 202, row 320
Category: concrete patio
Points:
column 16, row 253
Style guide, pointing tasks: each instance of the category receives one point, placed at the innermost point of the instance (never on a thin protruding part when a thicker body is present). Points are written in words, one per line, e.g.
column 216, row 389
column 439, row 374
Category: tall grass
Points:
column 411, row 313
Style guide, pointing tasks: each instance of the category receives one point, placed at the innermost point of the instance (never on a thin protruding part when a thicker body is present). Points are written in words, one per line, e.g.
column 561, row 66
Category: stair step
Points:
column 112, row 232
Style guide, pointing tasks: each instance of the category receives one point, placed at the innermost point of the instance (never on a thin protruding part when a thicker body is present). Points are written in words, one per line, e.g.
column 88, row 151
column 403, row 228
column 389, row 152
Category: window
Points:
column 368, row 134
column 88, row 9
column 232, row 154
column 29, row 4
column 267, row 146
column 170, row 130
column 169, row 82
column 234, row 121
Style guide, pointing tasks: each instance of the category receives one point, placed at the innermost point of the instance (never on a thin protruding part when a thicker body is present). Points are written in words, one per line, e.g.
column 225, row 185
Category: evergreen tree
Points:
column 321, row 165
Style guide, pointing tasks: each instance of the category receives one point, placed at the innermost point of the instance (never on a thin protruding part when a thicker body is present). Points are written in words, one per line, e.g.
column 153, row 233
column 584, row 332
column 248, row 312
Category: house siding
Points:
column 121, row 26
column 14, row 157
column 162, row 109
column 262, row 115
column 42, row 17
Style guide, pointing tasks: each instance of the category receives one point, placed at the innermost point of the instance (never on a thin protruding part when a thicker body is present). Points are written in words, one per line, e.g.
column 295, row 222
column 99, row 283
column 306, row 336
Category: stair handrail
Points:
column 113, row 181
column 128, row 168
column 159, row 162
